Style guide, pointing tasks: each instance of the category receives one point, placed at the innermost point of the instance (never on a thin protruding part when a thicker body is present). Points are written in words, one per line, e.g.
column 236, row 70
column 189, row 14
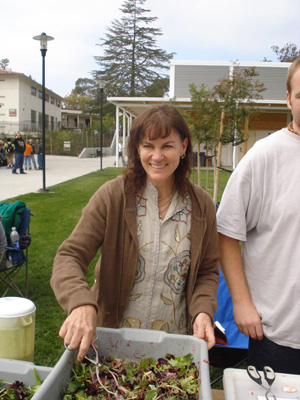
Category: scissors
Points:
column 269, row 376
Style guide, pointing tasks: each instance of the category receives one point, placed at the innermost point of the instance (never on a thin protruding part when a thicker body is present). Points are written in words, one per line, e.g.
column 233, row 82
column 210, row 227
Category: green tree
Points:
column 158, row 88
column 288, row 53
column 4, row 63
column 204, row 120
column 132, row 62
column 238, row 94
column 82, row 96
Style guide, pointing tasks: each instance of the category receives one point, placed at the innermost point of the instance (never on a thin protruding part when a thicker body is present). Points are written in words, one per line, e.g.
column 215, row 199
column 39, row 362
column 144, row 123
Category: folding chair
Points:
column 235, row 352
column 12, row 260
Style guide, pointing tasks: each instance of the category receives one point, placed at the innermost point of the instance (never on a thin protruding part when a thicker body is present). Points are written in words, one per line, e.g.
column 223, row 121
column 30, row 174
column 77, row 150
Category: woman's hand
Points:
column 203, row 329
column 79, row 329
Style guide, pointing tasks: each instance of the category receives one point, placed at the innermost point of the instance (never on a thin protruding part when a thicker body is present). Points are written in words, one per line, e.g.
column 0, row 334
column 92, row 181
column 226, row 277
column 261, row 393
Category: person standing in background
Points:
column 9, row 148
column 39, row 153
column 2, row 154
column 32, row 154
column 20, row 147
column 27, row 155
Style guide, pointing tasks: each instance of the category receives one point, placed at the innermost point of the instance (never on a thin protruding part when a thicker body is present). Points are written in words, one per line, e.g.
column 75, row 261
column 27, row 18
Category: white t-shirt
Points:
column 261, row 207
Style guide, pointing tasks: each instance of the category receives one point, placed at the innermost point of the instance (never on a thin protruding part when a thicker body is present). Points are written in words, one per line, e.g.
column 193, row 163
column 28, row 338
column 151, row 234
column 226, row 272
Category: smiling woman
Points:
column 160, row 158
column 158, row 240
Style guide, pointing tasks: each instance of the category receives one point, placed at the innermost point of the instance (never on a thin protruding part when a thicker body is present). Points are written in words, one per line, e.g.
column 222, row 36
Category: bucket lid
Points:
column 11, row 307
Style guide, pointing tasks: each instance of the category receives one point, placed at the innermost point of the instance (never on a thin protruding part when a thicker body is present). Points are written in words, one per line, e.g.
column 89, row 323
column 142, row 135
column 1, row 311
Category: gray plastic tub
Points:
column 134, row 344
column 238, row 386
column 16, row 370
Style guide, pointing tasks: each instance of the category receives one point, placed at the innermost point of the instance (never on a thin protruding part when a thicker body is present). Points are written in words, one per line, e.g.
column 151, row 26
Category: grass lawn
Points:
column 55, row 215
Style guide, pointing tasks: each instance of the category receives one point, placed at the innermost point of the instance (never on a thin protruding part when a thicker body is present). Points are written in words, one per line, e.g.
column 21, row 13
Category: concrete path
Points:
column 58, row 169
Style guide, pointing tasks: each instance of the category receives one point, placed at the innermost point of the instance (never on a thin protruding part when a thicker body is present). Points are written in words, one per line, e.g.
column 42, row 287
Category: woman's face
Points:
column 161, row 157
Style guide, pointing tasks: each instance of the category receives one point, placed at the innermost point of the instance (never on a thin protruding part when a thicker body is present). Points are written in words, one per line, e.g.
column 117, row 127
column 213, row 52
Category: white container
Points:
column 23, row 371
column 17, row 328
column 134, row 344
column 238, row 386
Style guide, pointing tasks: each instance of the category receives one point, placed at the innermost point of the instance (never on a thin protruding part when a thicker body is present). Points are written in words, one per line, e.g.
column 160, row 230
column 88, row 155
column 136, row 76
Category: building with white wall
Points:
column 274, row 113
column 21, row 109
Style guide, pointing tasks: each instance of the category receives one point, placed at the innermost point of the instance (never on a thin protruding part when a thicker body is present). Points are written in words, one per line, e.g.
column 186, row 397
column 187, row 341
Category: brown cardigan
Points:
column 108, row 223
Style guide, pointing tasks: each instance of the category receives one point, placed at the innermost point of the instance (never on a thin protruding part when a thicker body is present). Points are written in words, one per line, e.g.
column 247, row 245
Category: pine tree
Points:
column 132, row 61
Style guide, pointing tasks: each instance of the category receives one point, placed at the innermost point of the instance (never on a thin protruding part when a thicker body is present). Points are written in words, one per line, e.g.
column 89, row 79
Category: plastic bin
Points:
column 134, row 344
column 238, row 386
column 16, row 370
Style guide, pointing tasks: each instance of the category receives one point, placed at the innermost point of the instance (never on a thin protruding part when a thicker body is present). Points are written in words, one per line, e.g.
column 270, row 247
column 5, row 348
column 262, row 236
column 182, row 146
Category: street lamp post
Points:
column 43, row 38
column 101, row 85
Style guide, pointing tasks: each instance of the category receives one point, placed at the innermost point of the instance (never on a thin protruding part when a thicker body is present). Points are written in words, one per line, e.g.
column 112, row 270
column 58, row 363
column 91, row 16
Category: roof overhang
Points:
column 135, row 106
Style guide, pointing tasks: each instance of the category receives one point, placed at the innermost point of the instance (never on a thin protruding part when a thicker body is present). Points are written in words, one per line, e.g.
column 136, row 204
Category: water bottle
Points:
column 14, row 239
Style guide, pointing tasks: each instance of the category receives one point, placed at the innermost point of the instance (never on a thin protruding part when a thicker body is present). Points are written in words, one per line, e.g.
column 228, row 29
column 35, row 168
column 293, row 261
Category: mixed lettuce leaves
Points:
column 166, row 378
column 18, row 390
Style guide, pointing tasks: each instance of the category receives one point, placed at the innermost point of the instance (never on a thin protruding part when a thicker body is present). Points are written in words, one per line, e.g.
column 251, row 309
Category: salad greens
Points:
column 19, row 391
column 114, row 378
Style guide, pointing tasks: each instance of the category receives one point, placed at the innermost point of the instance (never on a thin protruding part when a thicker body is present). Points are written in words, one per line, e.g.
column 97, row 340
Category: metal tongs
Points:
column 98, row 365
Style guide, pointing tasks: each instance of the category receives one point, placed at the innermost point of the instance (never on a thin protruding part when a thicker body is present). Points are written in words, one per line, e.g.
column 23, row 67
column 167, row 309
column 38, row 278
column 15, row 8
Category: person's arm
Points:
column 203, row 329
column 78, row 330
column 203, row 303
column 244, row 311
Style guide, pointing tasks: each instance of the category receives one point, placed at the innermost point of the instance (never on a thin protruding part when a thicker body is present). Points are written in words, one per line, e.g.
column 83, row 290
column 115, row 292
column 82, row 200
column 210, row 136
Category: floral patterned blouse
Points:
column 157, row 299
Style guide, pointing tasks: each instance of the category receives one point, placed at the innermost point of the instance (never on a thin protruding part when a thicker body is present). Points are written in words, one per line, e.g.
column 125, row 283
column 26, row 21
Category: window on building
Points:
column 52, row 100
column 33, row 91
column 52, row 124
column 33, row 116
column 47, row 97
column 33, row 119
column 40, row 121
column 46, row 121
column 40, row 94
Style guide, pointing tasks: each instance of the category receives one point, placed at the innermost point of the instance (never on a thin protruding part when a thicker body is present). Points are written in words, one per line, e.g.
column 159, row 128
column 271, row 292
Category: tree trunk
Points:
column 206, row 162
column 216, row 185
column 198, row 165
column 246, row 135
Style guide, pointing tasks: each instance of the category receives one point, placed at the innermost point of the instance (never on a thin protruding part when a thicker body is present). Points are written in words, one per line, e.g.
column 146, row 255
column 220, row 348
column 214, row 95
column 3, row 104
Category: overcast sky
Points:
column 220, row 30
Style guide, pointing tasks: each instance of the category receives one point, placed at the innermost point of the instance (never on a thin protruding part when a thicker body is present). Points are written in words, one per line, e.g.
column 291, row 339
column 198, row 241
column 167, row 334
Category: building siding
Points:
column 15, row 94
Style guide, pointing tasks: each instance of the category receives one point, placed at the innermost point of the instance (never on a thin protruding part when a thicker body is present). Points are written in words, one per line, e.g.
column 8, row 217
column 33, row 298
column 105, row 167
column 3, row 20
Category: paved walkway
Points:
column 58, row 169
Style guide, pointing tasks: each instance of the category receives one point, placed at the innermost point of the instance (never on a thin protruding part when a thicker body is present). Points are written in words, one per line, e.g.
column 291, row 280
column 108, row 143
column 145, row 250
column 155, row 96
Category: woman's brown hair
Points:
column 157, row 122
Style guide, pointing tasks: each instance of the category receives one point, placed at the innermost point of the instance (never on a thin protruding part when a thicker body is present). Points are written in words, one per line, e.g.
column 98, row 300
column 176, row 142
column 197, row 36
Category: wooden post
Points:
column 245, row 135
column 216, row 185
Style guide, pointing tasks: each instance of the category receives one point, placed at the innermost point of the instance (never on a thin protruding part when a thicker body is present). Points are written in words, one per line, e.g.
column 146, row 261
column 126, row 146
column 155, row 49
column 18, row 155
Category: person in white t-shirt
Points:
column 121, row 152
column 260, row 209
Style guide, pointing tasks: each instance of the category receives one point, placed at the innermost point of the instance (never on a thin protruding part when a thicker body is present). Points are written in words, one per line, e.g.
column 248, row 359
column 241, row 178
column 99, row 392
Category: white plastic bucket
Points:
column 17, row 328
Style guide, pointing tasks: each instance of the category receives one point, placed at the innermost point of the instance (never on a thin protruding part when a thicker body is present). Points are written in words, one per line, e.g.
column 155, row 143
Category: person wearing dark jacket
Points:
column 39, row 153
column 19, row 154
